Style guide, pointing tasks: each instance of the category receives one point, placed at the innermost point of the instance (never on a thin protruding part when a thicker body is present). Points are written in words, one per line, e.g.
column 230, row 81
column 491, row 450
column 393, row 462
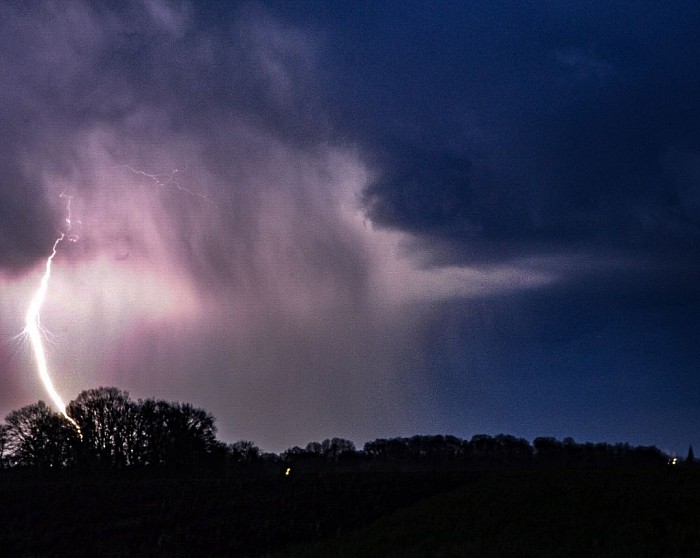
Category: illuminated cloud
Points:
column 305, row 224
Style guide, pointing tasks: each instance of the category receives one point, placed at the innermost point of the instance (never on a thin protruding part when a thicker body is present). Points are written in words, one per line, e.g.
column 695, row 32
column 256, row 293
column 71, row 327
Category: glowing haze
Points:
column 355, row 220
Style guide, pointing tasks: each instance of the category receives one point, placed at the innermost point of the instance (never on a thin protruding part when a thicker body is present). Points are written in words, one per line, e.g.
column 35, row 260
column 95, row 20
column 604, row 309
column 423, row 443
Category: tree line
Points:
column 115, row 432
column 482, row 451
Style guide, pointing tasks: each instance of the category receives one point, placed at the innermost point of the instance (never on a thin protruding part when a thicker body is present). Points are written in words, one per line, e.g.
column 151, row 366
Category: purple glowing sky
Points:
column 365, row 221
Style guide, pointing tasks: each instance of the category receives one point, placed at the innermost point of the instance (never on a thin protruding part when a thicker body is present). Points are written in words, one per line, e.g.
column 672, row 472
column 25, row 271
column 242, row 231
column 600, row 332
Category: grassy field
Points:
column 246, row 514
column 491, row 513
column 564, row 513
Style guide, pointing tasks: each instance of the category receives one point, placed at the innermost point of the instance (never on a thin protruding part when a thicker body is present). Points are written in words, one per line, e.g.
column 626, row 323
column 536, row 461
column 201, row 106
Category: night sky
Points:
column 360, row 219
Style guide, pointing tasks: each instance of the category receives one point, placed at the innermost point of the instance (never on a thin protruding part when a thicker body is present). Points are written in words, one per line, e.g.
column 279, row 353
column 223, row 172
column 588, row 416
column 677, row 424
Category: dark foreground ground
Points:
column 490, row 513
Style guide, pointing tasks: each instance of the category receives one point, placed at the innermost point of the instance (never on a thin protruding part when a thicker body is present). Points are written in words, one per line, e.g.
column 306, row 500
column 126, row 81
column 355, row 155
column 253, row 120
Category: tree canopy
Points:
column 116, row 432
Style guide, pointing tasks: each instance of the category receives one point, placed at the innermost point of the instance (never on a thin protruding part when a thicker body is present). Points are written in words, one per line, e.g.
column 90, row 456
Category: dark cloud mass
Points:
column 564, row 119
column 361, row 219
column 425, row 193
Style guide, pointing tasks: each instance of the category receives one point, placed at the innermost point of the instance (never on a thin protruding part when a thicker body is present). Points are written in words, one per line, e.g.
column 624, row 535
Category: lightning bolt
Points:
column 168, row 181
column 33, row 327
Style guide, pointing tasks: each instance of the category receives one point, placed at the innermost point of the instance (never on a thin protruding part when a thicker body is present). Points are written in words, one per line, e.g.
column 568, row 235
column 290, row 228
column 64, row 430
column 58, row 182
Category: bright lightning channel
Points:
column 33, row 327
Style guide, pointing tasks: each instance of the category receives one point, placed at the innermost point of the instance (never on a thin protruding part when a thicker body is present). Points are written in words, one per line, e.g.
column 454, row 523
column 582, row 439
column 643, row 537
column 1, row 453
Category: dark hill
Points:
column 248, row 513
column 556, row 512
column 563, row 513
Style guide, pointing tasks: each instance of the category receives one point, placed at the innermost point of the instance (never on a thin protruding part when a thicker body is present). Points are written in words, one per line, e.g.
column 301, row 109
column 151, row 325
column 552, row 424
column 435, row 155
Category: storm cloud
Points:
column 328, row 220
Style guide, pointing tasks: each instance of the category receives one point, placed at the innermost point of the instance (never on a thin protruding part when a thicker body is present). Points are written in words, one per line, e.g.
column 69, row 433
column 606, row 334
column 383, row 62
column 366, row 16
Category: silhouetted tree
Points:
column 304, row 459
column 321, row 455
column 512, row 450
column 150, row 433
column 393, row 449
column 648, row 456
column 3, row 446
column 119, row 432
column 244, row 451
column 335, row 449
column 314, row 448
column 38, row 436
column 171, row 434
column 104, row 417
column 483, row 448
column 191, row 434
column 448, row 447
column 292, row 452
column 548, row 450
